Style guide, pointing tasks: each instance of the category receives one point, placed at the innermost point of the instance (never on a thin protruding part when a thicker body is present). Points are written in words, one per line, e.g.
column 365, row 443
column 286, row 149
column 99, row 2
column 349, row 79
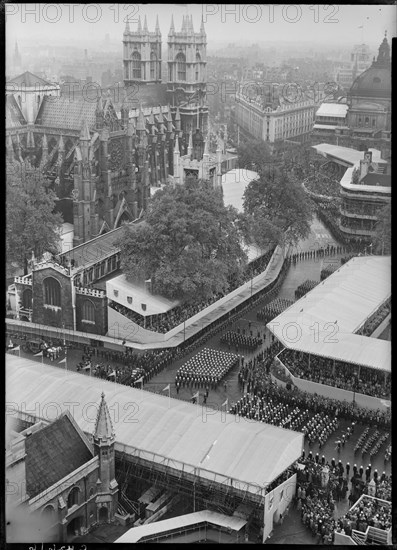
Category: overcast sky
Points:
column 326, row 24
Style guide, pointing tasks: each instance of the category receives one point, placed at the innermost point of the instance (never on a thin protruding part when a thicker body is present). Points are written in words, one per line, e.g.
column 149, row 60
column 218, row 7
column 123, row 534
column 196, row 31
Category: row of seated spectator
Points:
column 240, row 341
column 358, row 224
column 274, row 308
column 321, row 184
column 375, row 319
column 339, row 374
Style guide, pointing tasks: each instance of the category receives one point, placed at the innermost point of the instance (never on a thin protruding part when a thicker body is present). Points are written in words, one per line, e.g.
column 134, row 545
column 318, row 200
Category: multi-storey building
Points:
column 276, row 118
column 103, row 154
column 360, row 60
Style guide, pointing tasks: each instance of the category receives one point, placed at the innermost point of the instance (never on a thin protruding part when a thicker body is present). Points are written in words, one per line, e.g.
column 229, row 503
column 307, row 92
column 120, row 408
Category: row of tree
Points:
column 190, row 244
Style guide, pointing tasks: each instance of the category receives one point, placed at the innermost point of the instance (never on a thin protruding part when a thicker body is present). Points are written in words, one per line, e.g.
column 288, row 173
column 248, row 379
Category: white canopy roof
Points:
column 323, row 322
column 213, row 444
column 179, row 522
column 345, row 154
column 120, row 290
column 332, row 109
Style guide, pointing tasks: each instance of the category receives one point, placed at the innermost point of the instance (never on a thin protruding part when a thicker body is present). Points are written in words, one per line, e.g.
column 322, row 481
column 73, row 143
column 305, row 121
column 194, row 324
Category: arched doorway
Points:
column 73, row 528
column 103, row 514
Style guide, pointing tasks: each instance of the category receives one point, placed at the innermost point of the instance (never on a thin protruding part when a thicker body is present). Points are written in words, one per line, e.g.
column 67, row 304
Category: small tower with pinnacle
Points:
column 107, row 487
column 141, row 54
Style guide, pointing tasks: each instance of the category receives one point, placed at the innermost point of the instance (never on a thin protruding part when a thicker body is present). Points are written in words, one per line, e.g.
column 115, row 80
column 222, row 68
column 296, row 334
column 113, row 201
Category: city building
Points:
column 370, row 98
column 266, row 114
column 59, row 482
column 365, row 188
column 103, row 154
column 366, row 121
column 360, row 60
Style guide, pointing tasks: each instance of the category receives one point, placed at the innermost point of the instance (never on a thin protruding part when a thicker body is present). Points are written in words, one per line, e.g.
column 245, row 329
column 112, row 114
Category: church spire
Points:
column 191, row 23
column 157, row 29
column 172, row 28
column 202, row 29
column 176, row 148
column 139, row 24
column 84, row 132
column 145, row 29
column 103, row 432
column 141, row 120
column 127, row 27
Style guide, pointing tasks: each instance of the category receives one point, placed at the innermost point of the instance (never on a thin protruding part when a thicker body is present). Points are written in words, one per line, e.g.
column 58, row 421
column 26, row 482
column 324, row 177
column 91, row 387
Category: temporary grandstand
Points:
column 329, row 321
column 215, row 458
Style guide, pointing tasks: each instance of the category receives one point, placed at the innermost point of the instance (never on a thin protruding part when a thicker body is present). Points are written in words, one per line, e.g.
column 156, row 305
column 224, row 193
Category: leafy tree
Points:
column 382, row 239
column 31, row 224
column 252, row 154
column 189, row 243
column 276, row 209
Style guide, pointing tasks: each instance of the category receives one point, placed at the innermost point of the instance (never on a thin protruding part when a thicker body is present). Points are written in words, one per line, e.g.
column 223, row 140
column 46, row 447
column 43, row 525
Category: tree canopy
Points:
column 276, row 209
column 189, row 244
column 382, row 240
column 253, row 153
column 31, row 224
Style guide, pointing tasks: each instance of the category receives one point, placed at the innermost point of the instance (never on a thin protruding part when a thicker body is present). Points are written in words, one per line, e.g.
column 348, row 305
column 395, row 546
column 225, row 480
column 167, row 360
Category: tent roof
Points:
column 340, row 305
column 217, row 446
column 351, row 348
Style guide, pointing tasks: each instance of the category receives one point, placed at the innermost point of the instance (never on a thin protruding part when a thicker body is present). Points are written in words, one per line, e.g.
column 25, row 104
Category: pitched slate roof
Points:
column 29, row 80
column 63, row 112
column 54, row 452
column 14, row 116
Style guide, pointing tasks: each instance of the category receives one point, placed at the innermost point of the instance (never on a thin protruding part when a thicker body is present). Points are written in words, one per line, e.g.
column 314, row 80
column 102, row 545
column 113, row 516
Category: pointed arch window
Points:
column 153, row 62
column 136, row 65
column 88, row 311
column 52, row 292
column 181, row 66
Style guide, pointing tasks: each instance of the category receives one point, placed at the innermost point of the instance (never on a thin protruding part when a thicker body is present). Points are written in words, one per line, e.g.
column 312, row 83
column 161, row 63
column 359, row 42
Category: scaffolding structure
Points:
column 205, row 489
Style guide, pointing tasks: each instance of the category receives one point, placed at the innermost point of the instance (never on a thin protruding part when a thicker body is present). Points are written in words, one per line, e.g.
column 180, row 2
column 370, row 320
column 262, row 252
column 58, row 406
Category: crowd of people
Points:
column 322, row 252
column 375, row 319
column 254, row 374
column 206, row 368
column 320, row 484
column 165, row 322
column 241, row 341
column 339, row 374
column 325, row 405
column 322, row 184
column 273, row 309
column 367, row 512
column 304, row 288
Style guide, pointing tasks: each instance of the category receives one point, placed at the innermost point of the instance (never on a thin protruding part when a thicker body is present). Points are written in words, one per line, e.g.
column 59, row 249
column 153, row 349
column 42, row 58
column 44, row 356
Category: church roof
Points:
column 65, row 113
column 14, row 116
column 29, row 80
column 54, row 452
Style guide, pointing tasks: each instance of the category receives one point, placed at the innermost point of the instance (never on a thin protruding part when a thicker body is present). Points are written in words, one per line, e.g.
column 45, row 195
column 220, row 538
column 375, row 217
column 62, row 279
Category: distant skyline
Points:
column 88, row 23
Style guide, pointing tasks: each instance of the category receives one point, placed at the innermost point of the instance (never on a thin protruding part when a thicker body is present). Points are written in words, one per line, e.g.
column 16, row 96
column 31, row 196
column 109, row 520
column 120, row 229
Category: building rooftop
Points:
column 30, row 80
column 54, row 452
column 340, row 305
column 65, row 113
column 210, row 443
column 332, row 110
